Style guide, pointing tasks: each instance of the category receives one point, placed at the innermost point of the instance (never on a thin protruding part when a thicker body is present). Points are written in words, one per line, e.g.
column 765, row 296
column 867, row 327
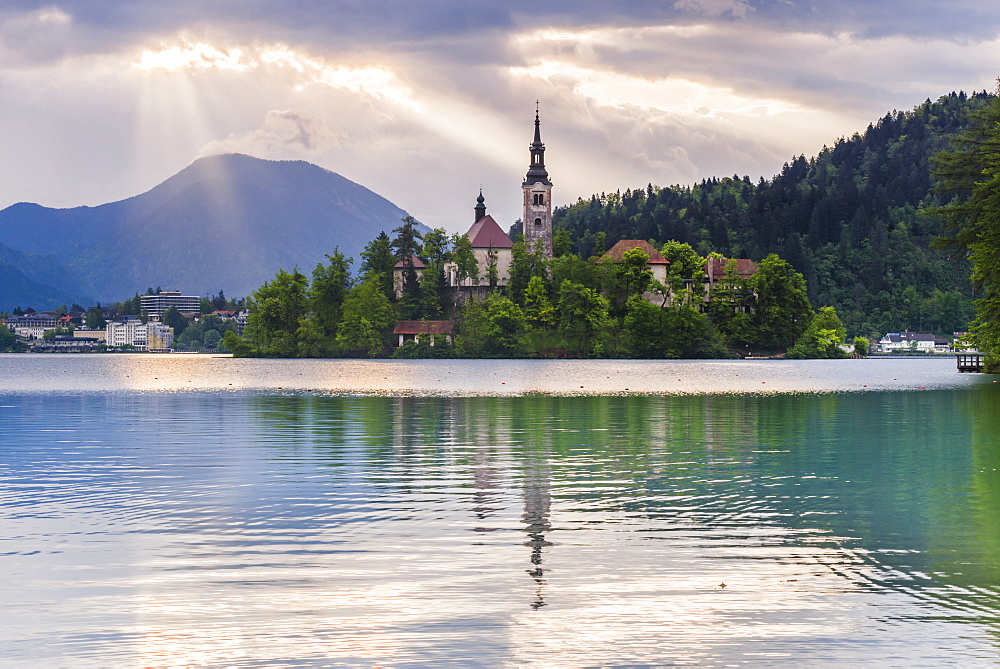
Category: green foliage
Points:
column 490, row 328
column 823, row 337
column 679, row 331
column 205, row 333
column 57, row 332
column 861, row 346
column 173, row 318
column 971, row 172
column 848, row 219
column 781, row 311
column 276, row 311
column 368, row 318
column 378, row 259
column 580, row 314
column 327, row 292
column 464, row 258
column 8, row 341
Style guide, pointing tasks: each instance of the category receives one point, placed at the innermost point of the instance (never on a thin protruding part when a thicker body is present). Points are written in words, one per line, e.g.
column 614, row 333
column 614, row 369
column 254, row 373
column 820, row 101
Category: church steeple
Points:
column 537, row 219
column 536, row 170
column 480, row 206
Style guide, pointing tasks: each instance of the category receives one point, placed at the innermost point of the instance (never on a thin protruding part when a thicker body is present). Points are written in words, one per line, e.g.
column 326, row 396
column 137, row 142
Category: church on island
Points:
column 491, row 246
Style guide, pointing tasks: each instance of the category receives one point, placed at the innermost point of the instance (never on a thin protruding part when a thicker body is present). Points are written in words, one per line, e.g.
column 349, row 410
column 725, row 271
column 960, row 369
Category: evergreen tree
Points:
column 971, row 172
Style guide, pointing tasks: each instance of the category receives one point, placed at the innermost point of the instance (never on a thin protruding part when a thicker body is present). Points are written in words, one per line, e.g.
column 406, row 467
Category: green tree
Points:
column 581, row 313
column 781, row 309
column 8, row 340
column 327, row 292
column 276, row 311
column 94, row 320
column 861, row 346
column 173, row 318
column 368, row 318
column 970, row 173
column 405, row 246
column 823, row 337
column 377, row 259
column 679, row 331
column 464, row 257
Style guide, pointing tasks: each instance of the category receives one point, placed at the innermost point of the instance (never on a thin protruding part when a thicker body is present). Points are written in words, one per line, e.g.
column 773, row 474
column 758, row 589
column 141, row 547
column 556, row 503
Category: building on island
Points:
column 417, row 330
column 657, row 264
column 537, row 189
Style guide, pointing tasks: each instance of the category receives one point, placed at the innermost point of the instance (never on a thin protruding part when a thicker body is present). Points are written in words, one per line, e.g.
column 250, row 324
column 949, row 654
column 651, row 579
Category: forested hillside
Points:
column 849, row 219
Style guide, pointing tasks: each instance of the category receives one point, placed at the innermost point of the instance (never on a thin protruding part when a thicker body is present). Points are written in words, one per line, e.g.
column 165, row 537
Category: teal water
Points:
column 311, row 526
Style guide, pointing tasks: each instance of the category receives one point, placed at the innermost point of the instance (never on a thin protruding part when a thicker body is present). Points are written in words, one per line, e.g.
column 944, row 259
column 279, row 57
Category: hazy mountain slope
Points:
column 224, row 222
column 28, row 279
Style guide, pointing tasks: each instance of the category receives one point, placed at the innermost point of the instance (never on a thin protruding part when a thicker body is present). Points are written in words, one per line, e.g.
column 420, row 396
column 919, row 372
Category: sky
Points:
column 427, row 101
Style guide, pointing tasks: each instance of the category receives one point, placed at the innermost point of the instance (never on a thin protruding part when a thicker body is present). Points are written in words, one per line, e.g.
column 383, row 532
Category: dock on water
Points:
column 970, row 362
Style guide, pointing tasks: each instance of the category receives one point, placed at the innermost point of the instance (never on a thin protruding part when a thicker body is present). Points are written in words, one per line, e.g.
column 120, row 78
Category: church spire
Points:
column 536, row 171
column 537, row 219
column 480, row 206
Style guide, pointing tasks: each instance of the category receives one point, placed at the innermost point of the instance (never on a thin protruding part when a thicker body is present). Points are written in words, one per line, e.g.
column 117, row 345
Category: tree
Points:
column 971, row 174
column 405, row 247
column 368, row 318
column 580, row 314
column 861, row 346
column 276, row 311
column 94, row 320
column 781, row 311
column 679, row 331
column 8, row 340
column 823, row 337
column 173, row 318
column 466, row 266
column 329, row 288
column 377, row 259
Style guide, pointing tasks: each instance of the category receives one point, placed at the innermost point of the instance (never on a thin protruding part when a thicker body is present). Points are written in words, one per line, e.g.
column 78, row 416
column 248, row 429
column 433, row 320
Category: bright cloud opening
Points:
column 374, row 80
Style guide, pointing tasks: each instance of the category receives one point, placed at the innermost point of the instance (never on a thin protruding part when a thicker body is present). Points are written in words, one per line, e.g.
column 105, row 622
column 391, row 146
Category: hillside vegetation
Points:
column 849, row 219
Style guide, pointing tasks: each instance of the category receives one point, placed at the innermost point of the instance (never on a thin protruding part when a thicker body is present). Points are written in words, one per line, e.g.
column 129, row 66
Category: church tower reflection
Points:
column 537, row 506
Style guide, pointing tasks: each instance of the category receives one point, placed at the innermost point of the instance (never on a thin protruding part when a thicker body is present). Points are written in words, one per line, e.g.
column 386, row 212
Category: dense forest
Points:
column 852, row 220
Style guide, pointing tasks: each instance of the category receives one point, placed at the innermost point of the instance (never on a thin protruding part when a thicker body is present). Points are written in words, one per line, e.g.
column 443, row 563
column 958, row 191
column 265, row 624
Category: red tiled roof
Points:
column 424, row 327
column 416, row 264
column 617, row 251
column 485, row 233
column 716, row 267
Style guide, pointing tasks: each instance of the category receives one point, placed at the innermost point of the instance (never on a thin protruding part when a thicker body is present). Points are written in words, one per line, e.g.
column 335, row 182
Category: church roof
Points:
column 485, row 233
column 618, row 250
column 424, row 327
column 716, row 267
column 416, row 264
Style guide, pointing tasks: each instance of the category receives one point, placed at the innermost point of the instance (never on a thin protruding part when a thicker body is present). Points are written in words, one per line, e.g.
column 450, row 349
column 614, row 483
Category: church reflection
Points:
column 537, row 507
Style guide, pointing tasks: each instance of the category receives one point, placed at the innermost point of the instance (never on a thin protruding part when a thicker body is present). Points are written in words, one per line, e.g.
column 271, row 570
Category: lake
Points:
column 178, row 510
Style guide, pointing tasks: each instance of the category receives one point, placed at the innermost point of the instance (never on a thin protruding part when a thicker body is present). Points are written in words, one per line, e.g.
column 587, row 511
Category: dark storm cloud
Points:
column 405, row 25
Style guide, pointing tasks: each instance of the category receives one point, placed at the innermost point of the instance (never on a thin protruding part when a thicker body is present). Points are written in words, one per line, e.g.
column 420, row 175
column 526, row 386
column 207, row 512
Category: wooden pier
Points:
column 970, row 362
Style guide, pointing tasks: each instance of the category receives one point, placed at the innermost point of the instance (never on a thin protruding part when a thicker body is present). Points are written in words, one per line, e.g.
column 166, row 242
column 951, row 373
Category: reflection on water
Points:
column 226, row 528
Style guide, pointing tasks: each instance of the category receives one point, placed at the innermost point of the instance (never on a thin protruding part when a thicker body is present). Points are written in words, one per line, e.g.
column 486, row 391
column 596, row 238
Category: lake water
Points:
column 181, row 510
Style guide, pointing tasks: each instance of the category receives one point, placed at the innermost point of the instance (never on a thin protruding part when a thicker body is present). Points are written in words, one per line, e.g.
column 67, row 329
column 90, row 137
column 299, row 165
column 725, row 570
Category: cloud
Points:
column 715, row 7
column 284, row 132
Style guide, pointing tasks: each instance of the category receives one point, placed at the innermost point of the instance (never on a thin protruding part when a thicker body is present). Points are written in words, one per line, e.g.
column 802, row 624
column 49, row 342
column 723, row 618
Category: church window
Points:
column 538, row 221
column 539, row 198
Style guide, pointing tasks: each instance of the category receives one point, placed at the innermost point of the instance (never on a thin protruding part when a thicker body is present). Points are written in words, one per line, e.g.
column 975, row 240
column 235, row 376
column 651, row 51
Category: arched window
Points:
column 538, row 221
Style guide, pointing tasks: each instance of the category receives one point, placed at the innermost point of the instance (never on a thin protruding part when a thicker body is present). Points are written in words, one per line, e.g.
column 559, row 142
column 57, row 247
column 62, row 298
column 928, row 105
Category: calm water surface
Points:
column 495, row 513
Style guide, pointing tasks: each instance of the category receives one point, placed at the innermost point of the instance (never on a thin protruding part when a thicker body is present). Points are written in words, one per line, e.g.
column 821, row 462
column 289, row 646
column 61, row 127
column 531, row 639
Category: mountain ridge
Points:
column 224, row 222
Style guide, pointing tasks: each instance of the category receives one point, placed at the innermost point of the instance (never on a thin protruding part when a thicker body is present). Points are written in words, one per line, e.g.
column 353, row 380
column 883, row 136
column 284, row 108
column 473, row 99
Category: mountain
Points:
column 849, row 219
column 27, row 279
column 225, row 222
